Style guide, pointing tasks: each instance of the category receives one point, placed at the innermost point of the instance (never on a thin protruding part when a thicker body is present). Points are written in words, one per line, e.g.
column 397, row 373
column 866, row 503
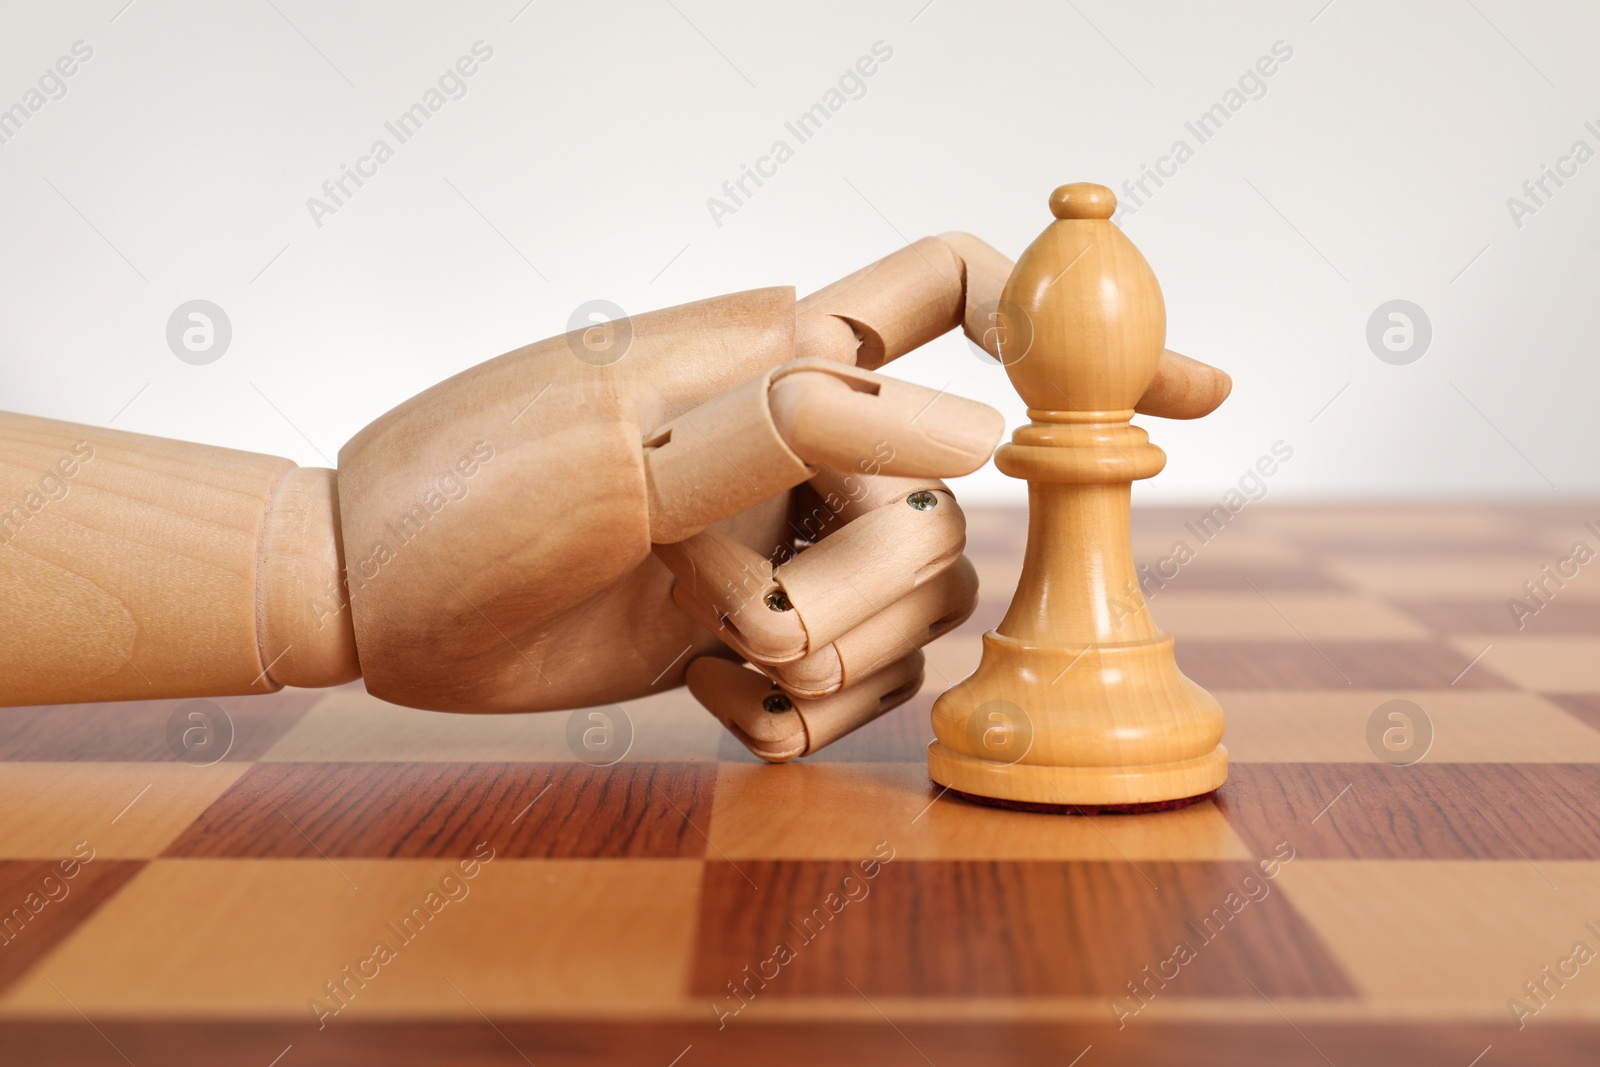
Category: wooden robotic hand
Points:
column 591, row 518
column 870, row 568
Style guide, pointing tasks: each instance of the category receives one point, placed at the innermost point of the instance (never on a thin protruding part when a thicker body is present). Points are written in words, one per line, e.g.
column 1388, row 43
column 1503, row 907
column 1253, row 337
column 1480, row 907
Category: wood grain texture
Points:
column 842, row 810
column 1331, row 664
column 1424, row 906
column 1558, row 616
column 503, row 1041
column 1202, row 576
column 446, row 809
column 138, row 730
column 1582, row 706
column 39, row 908
column 482, row 465
column 132, row 568
column 305, row 633
column 1494, row 811
column 1027, row 929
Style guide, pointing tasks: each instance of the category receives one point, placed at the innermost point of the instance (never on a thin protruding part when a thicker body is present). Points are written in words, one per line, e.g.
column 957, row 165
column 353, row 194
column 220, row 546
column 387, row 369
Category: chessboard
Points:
column 1404, row 866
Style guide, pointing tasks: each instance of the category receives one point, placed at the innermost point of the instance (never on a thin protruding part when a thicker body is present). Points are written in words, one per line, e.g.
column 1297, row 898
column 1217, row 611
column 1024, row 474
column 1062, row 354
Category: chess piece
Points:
column 1078, row 700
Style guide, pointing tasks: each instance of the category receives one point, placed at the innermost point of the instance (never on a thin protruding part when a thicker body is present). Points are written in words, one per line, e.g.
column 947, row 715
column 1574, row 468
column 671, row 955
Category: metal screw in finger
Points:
column 776, row 703
column 923, row 500
column 778, row 600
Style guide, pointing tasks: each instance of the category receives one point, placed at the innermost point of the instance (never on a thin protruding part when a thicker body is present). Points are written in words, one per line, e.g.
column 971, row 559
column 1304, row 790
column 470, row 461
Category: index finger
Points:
column 843, row 417
column 909, row 297
column 769, row 435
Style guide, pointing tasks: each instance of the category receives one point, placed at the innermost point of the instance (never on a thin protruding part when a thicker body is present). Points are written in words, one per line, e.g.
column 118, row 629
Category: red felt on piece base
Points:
column 1083, row 809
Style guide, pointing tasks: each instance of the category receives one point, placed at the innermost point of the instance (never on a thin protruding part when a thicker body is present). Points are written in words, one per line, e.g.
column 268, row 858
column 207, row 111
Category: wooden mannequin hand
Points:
column 498, row 529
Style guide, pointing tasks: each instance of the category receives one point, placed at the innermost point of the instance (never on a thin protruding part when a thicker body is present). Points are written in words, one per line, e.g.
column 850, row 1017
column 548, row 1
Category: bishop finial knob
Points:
column 1094, row 306
column 1083, row 200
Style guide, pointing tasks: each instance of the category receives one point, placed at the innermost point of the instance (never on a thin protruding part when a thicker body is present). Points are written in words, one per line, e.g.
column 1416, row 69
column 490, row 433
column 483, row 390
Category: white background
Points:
column 1376, row 166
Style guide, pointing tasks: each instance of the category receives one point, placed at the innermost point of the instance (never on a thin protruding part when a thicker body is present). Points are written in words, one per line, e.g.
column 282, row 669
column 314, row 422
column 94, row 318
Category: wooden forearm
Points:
column 135, row 567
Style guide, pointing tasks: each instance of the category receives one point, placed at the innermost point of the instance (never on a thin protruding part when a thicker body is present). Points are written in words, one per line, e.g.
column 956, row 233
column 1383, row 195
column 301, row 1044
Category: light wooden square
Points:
column 1469, row 726
column 1462, row 934
column 1433, row 525
column 123, row 810
column 841, row 811
column 1281, row 616
column 997, row 576
column 262, row 937
column 950, row 659
column 353, row 725
column 1449, row 576
column 1233, row 545
column 1555, row 664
